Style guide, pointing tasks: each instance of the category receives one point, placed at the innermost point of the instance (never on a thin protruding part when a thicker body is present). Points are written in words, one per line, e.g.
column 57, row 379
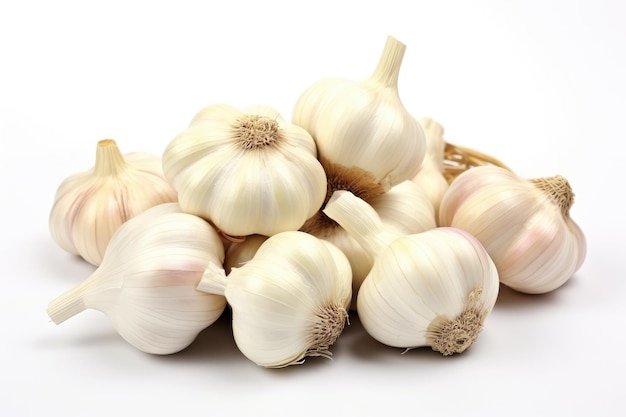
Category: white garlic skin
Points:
column 534, row 243
column 247, row 171
column 289, row 301
column 90, row 206
column 430, row 177
column 422, row 278
column 363, row 123
column 146, row 283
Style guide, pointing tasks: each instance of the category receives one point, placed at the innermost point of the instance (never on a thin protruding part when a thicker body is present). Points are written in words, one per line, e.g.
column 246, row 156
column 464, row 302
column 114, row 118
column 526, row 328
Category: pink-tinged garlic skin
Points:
column 90, row 206
column 526, row 230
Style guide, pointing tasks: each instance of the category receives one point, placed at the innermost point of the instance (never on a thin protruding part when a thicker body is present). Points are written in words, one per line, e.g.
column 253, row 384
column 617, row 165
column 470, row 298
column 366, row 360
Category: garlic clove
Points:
column 363, row 124
column 146, row 283
column 523, row 224
column 90, row 206
column 289, row 301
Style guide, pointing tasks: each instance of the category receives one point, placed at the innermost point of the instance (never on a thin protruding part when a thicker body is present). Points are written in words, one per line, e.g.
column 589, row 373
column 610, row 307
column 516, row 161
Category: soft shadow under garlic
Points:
column 213, row 345
column 508, row 298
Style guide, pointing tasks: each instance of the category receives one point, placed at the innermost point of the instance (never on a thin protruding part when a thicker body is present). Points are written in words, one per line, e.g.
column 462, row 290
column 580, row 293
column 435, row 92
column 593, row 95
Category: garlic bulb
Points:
column 363, row 124
column 524, row 225
column 289, row 301
column 433, row 288
column 90, row 206
column 247, row 171
column 404, row 209
column 431, row 177
column 146, row 283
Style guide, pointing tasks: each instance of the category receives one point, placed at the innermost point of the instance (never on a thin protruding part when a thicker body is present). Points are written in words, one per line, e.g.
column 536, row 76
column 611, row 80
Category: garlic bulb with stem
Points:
column 246, row 171
column 90, row 206
column 289, row 301
column 433, row 288
column 524, row 224
column 146, row 283
column 404, row 209
column 430, row 177
column 362, row 124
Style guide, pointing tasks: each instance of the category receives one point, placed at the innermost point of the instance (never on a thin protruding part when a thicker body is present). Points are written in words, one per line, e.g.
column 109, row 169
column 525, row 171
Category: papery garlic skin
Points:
column 433, row 288
column 363, row 123
column 289, row 301
column 146, row 283
column 90, row 206
column 430, row 177
column 524, row 225
column 404, row 209
column 247, row 171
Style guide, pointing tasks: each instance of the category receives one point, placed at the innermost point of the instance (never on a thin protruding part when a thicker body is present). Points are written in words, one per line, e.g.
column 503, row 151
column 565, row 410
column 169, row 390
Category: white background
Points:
column 538, row 84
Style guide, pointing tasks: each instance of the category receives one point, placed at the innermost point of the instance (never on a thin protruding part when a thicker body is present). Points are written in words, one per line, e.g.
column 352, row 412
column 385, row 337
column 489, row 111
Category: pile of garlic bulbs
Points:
column 352, row 208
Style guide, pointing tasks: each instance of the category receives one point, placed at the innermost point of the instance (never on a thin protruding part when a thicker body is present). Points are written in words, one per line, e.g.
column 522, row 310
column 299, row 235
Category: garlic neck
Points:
column 558, row 190
column 254, row 131
column 449, row 336
column 361, row 222
column 109, row 159
column 68, row 304
column 213, row 280
column 356, row 180
column 388, row 68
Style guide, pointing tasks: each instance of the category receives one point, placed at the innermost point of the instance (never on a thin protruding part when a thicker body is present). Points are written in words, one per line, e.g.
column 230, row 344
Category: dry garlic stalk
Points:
column 363, row 125
column 404, row 209
column 524, row 225
column 247, row 171
column 433, row 288
column 146, row 283
column 430, row 177
column 90, row 206
column 289, row 301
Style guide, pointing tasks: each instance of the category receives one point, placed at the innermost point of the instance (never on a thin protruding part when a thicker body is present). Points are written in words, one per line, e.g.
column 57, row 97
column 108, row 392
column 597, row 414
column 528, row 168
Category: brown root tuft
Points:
column 254, row 131
column 327, row 325
column 455, row 336
column 558, row 190
column 356, row 180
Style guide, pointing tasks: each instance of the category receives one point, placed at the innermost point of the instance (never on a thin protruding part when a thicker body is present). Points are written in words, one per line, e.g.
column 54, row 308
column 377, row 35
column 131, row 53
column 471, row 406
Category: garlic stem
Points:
column 109, row 158
column 213, row 280
column 388, row 68
column 354, row 179
column 360, row 220
column 68, row 304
